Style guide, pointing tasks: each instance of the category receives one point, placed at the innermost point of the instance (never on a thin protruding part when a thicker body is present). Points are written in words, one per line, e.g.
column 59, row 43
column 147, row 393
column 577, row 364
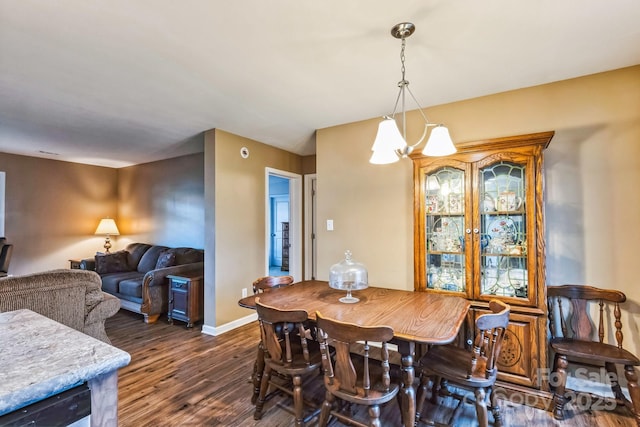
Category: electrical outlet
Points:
column 244, row 292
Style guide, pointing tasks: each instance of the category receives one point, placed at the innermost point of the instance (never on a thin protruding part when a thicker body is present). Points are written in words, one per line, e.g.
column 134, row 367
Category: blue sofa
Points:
column 137, row 275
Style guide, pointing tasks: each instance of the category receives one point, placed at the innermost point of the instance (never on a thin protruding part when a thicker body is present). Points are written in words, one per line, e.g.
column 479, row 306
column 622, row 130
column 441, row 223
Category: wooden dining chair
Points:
column 260, row 285
column 474, row 369
column 354, row 378
column 576, row 341
column 288, row 352
column 266, row 283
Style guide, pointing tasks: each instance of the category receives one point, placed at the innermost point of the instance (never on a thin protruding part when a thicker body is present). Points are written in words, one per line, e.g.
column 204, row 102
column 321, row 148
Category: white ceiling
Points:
column 121, row 82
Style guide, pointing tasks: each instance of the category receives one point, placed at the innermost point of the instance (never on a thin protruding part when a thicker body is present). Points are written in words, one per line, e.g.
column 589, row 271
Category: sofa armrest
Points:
column 154, row 286
column 158, row 277
column 107, row 306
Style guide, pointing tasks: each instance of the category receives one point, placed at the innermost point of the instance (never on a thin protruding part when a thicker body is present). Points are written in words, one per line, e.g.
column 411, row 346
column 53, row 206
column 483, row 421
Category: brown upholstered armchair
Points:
column 70, row 297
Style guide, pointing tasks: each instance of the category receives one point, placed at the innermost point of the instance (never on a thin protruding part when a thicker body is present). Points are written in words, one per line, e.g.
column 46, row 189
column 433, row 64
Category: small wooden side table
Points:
column 186, row 298
column 74, row 264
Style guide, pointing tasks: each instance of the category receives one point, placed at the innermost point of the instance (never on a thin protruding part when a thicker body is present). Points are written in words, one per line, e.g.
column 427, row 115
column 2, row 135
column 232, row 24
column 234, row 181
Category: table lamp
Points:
column 107, row 227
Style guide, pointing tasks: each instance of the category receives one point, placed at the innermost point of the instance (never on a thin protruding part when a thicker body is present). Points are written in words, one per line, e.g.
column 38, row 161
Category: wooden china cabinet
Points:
column 479, row 234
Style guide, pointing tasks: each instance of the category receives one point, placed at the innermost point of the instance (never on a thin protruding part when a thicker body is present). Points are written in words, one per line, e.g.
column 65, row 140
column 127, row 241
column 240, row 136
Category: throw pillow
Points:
column 166, row 259
column 112, row 263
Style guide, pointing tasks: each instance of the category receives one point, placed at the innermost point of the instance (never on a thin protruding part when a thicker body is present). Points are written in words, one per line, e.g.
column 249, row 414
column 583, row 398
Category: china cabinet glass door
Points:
column 445, row 195
column 476, row 224
column 503, row 260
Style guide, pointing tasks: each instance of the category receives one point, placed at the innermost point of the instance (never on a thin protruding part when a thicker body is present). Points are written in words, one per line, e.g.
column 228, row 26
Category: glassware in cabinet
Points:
column 444, row 219
column 503, row 219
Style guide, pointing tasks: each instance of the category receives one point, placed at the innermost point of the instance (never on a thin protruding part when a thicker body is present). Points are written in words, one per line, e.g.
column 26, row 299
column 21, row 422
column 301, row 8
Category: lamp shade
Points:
column 439, row 143
column 108, row 227
column 387, row 141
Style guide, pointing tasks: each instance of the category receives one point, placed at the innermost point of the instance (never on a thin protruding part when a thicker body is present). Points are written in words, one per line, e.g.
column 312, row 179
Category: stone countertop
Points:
column 40, row 358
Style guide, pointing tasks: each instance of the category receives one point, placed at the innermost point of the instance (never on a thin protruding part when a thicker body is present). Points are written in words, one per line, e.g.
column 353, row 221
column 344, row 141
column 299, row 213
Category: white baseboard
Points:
column 217, row 330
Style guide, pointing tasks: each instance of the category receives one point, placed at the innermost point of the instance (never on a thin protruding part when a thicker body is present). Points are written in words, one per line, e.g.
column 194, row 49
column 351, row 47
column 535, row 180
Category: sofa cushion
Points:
column 166, row 259
column 188, row 255
column 132, row 287
column 150, row 258
column 111, row 281
column 112, row 262
column 136, row 250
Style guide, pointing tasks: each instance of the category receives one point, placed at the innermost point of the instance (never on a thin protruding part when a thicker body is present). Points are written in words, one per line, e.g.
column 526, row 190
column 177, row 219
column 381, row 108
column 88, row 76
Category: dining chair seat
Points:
column 453, row 363
column 594, row 351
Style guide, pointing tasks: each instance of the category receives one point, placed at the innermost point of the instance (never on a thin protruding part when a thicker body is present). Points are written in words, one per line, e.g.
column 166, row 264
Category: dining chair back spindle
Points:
column 288, row 352
column 574, row 340
column 352, row 377
column 473, row 369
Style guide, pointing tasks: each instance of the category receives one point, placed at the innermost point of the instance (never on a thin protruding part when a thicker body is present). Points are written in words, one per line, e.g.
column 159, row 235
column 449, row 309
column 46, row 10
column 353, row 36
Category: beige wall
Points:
column 308, row 165
column 592, row 180
column 239, row 218
column 52, row 210
column 162, row 202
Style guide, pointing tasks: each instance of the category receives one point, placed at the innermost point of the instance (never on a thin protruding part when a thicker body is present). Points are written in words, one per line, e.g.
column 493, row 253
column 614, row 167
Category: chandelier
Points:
column 390, row 145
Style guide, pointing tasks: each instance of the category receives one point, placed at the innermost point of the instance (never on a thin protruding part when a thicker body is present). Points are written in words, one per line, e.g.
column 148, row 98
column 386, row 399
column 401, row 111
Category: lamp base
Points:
column 107, row 245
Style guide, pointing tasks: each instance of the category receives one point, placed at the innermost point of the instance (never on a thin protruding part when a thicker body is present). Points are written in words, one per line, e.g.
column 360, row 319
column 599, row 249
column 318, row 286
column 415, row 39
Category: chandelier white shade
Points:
column 439, row 143
column 390, row 144
column 388, row 141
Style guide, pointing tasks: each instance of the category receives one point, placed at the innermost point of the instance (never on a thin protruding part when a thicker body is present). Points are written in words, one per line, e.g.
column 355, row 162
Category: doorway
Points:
column 283, row 224
column 279, row 207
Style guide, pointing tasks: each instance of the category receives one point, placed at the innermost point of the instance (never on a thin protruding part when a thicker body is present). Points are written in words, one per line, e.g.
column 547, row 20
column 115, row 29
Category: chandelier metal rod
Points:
column 404, row 85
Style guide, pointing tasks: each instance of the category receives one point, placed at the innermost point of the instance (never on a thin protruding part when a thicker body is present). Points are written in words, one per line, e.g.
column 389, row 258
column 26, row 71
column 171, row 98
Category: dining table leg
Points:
column 407, row 391
column 258, row 370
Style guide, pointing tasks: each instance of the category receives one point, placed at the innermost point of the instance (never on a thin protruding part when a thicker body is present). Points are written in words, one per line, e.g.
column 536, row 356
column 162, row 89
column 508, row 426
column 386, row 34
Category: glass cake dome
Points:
column 348, row 275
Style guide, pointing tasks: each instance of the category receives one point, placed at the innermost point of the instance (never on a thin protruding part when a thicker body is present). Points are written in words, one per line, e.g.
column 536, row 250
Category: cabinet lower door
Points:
column 180, row 307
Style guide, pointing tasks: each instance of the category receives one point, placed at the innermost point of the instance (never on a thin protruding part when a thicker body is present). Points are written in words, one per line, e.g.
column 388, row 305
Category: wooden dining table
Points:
column 416, row 318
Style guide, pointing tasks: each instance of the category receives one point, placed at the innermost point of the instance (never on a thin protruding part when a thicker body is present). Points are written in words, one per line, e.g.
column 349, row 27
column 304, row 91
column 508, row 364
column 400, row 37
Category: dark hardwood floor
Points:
column 181, row 377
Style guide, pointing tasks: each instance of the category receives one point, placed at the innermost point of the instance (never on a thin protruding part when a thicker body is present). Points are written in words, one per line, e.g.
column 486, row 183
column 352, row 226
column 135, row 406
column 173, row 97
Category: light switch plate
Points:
column 329, row 225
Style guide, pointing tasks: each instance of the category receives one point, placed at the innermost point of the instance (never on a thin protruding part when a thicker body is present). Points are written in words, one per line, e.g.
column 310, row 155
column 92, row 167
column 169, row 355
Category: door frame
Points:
column 310, row 234
column 295, row 221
